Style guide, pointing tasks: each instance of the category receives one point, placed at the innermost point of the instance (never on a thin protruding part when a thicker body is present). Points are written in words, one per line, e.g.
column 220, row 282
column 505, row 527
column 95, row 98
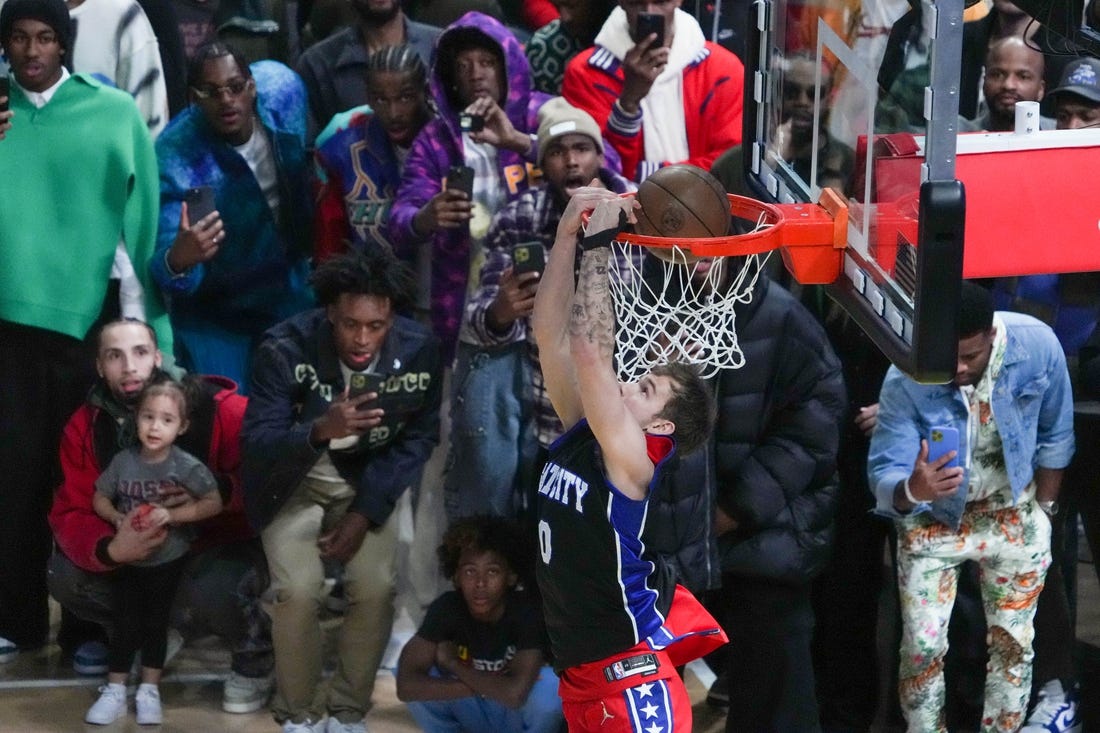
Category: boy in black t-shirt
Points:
column 478, row 659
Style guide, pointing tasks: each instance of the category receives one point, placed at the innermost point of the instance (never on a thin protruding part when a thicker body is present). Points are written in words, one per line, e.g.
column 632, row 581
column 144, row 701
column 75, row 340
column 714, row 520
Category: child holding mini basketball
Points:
column 143, row 591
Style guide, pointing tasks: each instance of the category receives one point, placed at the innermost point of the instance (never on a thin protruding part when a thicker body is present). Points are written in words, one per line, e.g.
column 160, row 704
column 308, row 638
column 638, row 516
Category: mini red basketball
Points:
column 680, row 202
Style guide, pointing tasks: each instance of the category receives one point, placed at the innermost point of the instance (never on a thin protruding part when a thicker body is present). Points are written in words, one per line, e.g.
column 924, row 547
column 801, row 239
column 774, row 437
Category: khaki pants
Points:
column 297, row 590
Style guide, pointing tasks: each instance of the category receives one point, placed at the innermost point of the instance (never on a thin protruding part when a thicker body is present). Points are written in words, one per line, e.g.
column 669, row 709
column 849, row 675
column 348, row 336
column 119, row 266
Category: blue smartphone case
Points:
column 942, row 440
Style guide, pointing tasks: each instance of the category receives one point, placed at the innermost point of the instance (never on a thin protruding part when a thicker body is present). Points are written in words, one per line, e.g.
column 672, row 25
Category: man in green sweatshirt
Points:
column 78, row 197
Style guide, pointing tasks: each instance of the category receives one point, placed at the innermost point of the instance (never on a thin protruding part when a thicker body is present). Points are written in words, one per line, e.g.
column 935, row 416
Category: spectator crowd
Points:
column 267, row 299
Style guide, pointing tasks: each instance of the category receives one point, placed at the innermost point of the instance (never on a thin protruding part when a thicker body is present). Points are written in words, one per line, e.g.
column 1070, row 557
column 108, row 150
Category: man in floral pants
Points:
column 989, row 501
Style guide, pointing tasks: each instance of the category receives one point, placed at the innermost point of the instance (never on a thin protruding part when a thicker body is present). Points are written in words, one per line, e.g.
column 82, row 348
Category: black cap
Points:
column 1081, row 77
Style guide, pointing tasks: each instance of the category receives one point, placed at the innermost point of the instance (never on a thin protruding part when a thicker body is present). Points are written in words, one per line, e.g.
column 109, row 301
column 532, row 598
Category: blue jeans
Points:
column 492, row 433
column 540, row 714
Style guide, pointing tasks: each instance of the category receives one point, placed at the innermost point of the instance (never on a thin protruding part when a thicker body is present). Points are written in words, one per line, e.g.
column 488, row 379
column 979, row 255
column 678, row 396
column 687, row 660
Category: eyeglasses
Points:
column 19, row 38
column 234, row 88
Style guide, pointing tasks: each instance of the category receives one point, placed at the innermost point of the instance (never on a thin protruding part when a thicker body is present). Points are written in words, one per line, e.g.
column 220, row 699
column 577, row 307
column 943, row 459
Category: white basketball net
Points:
column 683, row 312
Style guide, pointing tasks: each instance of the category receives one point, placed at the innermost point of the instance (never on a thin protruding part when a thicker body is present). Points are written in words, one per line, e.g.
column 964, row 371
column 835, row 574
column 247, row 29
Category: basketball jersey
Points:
column 600, row 596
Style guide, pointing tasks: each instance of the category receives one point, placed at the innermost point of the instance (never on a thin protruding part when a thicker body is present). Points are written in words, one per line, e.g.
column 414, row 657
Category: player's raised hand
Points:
column 583, row 201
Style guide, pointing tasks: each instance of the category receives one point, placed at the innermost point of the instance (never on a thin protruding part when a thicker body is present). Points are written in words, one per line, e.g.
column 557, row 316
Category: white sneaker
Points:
column 246, row 694
column 8, row 650
column 308, row 726
column 335, row 726
column 1056, row 711
column 147, row 701
column 110, row 706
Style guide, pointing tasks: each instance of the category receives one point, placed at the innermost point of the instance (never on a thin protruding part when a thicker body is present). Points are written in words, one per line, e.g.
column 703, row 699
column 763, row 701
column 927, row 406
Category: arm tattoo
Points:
column 593, row 316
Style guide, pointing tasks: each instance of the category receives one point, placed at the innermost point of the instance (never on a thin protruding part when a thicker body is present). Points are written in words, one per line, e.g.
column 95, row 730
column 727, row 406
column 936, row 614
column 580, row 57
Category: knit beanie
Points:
column 53, row 13
column 557, row 118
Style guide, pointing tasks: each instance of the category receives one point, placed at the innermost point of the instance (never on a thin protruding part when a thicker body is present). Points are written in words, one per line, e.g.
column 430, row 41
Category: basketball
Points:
column 680, row 202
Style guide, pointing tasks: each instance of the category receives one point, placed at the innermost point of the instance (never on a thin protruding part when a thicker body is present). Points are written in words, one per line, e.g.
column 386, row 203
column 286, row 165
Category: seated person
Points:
column 477, row 663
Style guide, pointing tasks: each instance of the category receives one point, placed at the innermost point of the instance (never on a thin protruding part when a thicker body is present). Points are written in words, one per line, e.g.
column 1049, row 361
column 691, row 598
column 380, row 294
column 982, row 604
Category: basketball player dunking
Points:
column 617, row 622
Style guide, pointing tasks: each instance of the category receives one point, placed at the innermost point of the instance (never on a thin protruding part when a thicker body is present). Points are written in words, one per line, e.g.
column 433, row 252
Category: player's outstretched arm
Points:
column 592, row 347
column 553, row 301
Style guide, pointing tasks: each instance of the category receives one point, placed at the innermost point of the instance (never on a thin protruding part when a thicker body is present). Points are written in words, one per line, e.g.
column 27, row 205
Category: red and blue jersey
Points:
column 602, row 593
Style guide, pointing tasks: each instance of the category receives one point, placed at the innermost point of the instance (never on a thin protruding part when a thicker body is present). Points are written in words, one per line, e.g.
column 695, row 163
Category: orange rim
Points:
column 730, row 245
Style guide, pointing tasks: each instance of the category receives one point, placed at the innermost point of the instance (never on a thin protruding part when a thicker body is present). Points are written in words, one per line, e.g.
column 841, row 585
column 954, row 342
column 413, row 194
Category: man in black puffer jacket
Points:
column 771, row 469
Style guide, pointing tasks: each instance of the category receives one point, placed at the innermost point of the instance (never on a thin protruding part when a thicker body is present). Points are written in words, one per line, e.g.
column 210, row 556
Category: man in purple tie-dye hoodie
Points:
column 478, row 69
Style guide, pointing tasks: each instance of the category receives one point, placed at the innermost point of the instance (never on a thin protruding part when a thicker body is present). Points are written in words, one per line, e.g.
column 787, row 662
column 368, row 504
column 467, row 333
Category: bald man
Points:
column 1013, row 73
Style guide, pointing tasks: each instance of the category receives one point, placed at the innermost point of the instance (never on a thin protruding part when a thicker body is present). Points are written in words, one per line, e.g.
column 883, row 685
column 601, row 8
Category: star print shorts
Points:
column 637, row 692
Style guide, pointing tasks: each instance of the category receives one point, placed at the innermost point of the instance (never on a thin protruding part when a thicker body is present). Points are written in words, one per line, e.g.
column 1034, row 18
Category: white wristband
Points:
column 909, row 494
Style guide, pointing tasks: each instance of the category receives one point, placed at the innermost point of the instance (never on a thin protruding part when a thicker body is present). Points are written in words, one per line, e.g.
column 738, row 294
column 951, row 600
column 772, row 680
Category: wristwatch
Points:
column 1050, row 508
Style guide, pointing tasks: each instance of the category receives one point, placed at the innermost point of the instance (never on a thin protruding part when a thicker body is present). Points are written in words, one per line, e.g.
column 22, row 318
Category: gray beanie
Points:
column 557, row 118
column 53, row 13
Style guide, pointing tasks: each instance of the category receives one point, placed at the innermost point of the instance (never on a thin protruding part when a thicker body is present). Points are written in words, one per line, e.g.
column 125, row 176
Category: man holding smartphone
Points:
column 1012, row 407
column 498, row 318
column 231, row 273
column 323, row 470
column 667, row 94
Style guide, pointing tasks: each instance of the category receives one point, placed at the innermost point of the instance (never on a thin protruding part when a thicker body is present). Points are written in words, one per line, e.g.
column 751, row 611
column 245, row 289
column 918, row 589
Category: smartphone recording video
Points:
column 650, row 23
column 470, row 122
column 528, row 257
column 461, row 178
column 200, row 203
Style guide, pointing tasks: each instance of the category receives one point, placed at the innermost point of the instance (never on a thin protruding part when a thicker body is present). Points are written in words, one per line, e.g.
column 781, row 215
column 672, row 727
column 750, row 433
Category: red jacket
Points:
column 714, row 86
column 78, row 530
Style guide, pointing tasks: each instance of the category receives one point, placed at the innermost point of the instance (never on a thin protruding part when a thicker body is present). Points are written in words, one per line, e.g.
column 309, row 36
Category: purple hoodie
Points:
column 436, row 148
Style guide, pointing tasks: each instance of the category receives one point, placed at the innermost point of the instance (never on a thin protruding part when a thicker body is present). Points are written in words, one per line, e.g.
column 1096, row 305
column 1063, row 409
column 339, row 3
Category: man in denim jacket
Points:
column 1012, row 405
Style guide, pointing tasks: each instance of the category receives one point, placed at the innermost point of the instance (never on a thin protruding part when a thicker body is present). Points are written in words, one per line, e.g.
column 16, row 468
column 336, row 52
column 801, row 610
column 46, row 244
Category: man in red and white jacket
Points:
column 679, row 101
column 227, row 572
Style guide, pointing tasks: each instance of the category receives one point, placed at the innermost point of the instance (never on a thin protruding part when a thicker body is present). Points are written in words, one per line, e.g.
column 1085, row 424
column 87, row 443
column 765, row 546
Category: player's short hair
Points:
column 975, row 309
column 690, row 408
column 371, row 272
column 485, row 533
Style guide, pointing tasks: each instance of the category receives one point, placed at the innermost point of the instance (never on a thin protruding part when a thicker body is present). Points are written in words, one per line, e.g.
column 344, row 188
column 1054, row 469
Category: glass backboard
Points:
column 863, row 97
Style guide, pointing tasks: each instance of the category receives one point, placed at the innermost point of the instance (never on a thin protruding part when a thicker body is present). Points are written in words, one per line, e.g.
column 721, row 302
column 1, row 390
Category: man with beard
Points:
column 571, row 155
column 1013, row 73
column 232, row 273
column 335, row 70
column 226, row 573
